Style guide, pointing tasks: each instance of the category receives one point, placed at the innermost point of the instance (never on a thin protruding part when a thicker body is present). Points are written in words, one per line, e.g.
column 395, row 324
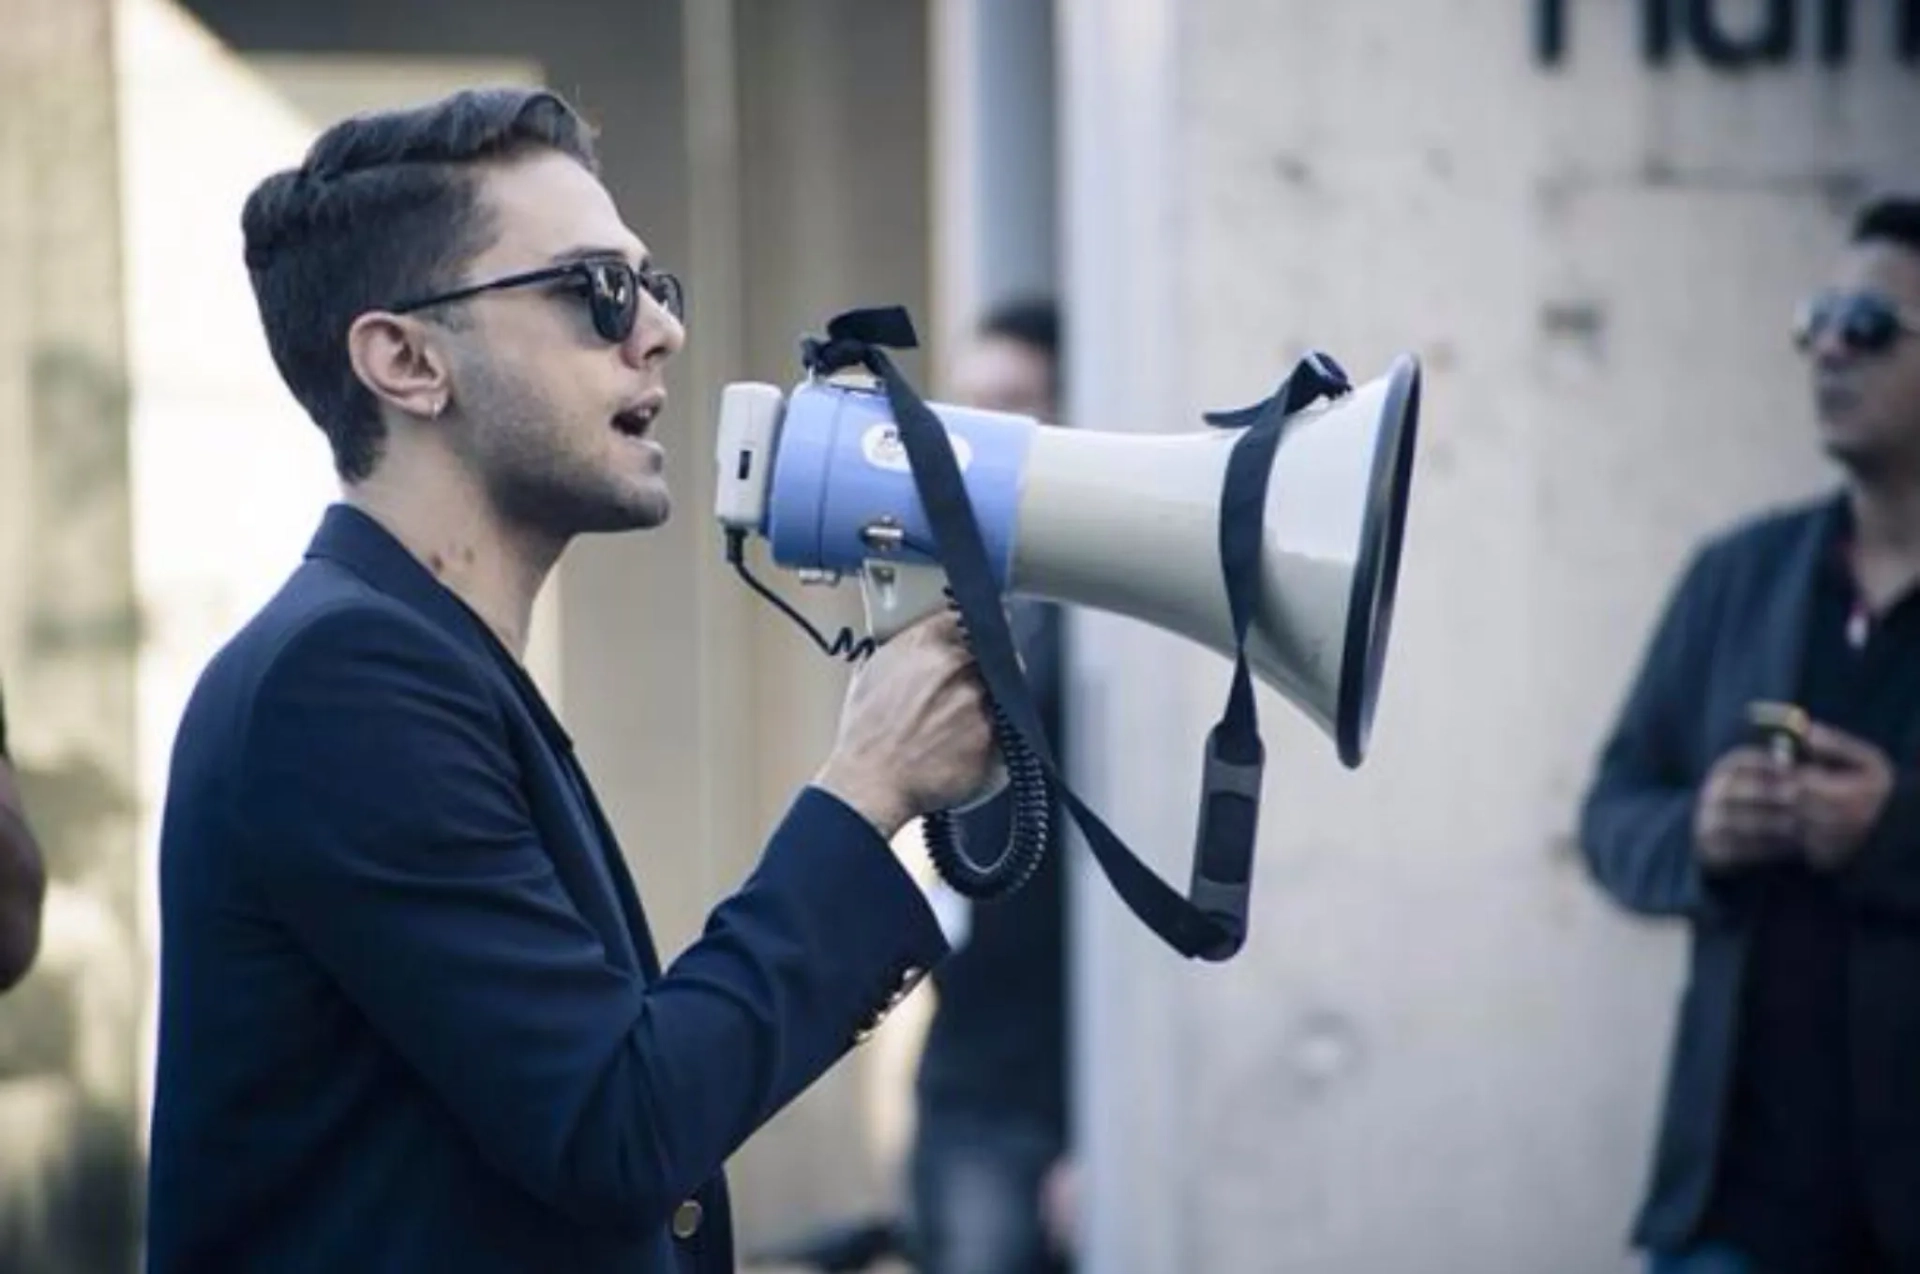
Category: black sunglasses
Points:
column 1867, row 322
column 612, row 290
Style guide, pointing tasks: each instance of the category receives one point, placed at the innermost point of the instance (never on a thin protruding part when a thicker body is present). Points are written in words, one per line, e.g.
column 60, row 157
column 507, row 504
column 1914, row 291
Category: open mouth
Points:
column 635, row 422
column 1835, row 400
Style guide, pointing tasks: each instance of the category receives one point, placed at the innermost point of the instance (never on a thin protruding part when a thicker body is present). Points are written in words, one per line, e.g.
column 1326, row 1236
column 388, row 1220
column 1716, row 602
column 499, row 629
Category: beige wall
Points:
column 1439, row 1050
column 822, row 206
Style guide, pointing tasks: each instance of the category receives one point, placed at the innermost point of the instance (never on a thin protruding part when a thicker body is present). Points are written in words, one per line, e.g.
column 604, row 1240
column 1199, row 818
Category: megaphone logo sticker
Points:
column 883, row 449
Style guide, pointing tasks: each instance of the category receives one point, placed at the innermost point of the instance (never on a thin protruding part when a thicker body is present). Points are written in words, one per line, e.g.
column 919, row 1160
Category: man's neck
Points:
column 1885, row 551
column 1886, row 516
column 450, row 527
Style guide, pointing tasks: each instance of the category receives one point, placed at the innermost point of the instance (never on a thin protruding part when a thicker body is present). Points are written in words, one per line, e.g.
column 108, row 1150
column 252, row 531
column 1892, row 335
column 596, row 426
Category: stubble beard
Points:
column 538, row 475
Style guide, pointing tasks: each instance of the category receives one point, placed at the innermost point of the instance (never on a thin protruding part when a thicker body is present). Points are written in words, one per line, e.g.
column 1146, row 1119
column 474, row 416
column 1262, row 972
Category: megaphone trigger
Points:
column 896, row 594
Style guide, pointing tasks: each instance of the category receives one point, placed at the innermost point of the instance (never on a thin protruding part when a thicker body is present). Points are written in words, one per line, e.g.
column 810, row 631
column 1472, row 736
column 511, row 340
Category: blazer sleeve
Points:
column 389, row 832
column 1636, row 824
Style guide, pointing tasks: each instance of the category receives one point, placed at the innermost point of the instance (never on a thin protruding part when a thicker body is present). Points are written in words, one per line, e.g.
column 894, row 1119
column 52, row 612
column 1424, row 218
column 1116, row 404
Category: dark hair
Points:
column 1892, row 219
column 1030, row 320
column 382, row 208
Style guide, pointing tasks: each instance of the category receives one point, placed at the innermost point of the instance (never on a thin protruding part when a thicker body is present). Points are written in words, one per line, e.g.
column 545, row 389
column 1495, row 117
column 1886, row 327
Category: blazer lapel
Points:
column 351, row 537
column 621, row 877
column 612, row 865
column 1782, row 619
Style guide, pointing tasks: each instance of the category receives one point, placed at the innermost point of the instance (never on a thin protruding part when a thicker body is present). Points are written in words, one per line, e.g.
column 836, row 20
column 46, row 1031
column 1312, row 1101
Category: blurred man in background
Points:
column 23, row 877
column 1791, row 1138
column 991, row 1092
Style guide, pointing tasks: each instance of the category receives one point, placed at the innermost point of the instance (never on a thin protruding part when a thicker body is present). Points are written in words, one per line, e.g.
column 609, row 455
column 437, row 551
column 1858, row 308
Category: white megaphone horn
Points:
column 1128, row 523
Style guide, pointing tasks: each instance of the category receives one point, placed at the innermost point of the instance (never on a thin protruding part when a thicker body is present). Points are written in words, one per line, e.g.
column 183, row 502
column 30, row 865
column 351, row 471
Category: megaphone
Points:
column 1123, row 522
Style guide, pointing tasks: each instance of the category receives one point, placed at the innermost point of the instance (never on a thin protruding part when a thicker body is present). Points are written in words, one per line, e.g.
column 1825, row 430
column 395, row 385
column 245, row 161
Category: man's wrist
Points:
column 872, row 799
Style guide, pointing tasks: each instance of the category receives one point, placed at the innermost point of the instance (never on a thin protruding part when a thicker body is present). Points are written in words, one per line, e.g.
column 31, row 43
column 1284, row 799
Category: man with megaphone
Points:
column 410, row 1016
column 410, row 1013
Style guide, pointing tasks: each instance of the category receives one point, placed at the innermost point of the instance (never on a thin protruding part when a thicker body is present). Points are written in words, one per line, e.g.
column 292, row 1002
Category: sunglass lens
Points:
column 665, row 288
column 614, row 300
column 1869, row 325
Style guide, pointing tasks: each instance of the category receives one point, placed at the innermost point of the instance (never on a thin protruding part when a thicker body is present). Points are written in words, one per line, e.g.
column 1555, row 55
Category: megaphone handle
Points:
column 897, row 594
column 1028, row 830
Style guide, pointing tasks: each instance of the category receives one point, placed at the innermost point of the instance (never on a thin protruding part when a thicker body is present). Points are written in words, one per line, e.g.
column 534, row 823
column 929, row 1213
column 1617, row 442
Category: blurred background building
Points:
column 1439, row 1050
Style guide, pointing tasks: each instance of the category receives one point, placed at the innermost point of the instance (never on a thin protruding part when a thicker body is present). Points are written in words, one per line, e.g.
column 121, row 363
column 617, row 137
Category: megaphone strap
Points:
column 1235, row 758
column 1212, row 924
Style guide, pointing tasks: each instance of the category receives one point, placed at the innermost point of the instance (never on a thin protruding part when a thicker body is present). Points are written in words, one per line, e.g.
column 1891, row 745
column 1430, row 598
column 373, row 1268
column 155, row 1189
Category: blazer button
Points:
column 686, row 1219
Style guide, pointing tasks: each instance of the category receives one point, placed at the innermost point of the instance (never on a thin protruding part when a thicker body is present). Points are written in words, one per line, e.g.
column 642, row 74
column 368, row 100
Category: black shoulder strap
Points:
column 1212, row 923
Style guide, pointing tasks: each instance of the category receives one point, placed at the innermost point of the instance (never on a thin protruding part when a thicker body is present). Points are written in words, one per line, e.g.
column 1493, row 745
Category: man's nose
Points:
column 1828, row 348
column 657, row 336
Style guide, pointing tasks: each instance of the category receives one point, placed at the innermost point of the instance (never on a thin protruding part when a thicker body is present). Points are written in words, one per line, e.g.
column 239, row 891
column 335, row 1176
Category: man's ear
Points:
column 400, row 363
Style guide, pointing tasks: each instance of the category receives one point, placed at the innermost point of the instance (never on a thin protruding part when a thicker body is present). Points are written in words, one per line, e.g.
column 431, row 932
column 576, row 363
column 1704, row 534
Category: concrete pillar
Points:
column 1439, row 1050
column 832, row 213
column 995, row 175
column 68, row 636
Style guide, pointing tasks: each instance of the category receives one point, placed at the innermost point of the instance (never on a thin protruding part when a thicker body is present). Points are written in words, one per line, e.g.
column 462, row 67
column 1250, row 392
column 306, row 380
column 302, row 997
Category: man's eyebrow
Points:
column 590, row 252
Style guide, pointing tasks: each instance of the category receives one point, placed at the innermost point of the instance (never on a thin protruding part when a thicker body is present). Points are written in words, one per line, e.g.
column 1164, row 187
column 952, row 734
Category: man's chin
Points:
column 639, row 511
column 1858, row 456
column 653, row 506
column 613, row 513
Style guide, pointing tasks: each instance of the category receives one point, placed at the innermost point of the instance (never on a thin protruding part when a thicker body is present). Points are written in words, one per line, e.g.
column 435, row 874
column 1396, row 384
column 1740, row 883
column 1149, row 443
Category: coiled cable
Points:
column 1032, row 795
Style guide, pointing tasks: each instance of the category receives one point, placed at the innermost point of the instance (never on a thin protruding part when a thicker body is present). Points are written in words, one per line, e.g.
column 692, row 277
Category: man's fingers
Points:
column 1766, row 788
column 1746, row 757
column 941, row 626
column 1743, row 767
column 1836, row 748
column 1749, row 822
column 1821, row 786
column 1756, row 802
column 1749, row 849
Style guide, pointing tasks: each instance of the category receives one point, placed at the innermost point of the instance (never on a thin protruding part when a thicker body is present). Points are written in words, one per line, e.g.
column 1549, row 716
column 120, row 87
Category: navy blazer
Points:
column 1734, row 631
column 410, row 1014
